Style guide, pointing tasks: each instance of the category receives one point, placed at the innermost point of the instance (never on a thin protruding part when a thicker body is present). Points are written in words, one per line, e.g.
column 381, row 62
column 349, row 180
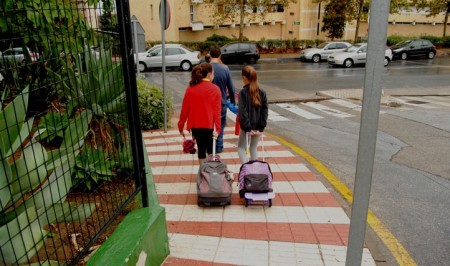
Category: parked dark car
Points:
column 414, row 48
column 240, row 52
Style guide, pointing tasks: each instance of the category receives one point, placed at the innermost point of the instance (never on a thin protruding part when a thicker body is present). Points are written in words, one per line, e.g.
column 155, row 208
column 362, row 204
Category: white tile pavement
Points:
column 258, row 252
column 275, row 214
column 278, row 187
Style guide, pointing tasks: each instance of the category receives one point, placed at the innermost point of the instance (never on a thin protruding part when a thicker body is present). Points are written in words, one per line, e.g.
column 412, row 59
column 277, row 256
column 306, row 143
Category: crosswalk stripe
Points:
column 327, row 109
column 193, row 169
column 438, row 100
column 239, row 213
column 349, row 105
column 176, row 146
column 225, row 155
column 278, row 187
column 346, row 104
column 179, row 139
column 276, row 117
column 298, row 111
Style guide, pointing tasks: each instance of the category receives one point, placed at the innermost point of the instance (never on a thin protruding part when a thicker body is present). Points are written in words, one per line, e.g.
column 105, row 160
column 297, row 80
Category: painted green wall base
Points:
column 140, row 239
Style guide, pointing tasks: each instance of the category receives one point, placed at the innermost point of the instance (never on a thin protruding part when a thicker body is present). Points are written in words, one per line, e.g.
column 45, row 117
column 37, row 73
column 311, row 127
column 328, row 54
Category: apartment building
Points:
column 191, row 21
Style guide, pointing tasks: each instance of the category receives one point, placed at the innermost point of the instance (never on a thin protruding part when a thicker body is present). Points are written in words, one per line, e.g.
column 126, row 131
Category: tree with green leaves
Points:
column 47, row 27
column 244, row 10
column 356, row 10
column 334, row 19
column 33, row 21
column 434, row 8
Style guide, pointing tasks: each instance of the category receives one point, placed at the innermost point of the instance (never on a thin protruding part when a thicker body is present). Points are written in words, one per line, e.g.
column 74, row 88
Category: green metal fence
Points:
column 70, row 144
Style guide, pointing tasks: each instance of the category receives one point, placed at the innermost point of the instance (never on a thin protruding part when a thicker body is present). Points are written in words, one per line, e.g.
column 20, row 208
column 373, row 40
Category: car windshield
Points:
column 187, row 48
column 353, row 48
column 403, row 43
column 322, row 45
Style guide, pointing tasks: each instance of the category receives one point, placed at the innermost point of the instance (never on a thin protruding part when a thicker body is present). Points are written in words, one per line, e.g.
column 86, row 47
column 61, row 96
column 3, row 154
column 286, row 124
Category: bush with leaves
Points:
column 34, row 181
column 151, row 106
column 92, row 166
column 394, row 39
column 52, row 126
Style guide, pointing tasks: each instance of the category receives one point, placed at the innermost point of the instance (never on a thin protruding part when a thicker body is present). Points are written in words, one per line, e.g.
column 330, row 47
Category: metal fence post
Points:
column 368, row 129
column 126, row 48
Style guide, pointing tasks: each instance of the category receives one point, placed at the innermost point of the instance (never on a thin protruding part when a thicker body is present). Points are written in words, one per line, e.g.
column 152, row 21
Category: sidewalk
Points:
column 305, row 225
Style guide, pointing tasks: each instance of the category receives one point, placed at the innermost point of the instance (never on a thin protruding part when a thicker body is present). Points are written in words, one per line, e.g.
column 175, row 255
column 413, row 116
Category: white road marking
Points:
column 298, row 111
column 327, row 109
column 276, row 117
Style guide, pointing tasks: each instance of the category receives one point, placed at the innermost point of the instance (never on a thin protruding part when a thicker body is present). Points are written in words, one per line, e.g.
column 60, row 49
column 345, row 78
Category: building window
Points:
column 151, row 12
column 191, row 12
column 276, row 8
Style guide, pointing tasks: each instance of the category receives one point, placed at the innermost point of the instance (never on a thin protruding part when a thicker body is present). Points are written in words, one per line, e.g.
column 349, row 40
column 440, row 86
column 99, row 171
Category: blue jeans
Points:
column 223, row 123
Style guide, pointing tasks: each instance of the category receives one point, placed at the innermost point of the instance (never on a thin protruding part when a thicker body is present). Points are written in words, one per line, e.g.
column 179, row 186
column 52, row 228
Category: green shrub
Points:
column 394, row 39
column 262, row 44
column 296, row 43
column 218, row 39
column 151, row 106
column 446, row 42
column 437, row 41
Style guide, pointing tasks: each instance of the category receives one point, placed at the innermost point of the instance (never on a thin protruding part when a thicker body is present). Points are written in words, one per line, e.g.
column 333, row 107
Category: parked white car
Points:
column 177, row 55
column 355, row 55
column 323, row 50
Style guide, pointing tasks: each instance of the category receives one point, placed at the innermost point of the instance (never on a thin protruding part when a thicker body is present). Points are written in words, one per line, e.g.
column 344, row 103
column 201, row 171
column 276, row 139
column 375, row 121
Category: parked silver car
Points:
column 17, row 55
column 355, row 55
column 322, row 51
column 177, row 55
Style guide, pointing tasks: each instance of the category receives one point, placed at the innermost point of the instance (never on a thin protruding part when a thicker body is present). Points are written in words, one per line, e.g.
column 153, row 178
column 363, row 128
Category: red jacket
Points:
column 202, row 107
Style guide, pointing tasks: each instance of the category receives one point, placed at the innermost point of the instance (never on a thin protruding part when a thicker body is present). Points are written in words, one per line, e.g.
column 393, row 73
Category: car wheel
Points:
column 431, row 55
column 142, row 67
column 252, row 61
column 348, row 63
column 316, row 58
column 185, row 65
column 404, row 56
column 386, row 61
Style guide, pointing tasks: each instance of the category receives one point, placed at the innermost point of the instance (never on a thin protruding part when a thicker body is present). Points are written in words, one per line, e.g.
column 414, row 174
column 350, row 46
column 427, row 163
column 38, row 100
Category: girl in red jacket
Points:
column 202, row 105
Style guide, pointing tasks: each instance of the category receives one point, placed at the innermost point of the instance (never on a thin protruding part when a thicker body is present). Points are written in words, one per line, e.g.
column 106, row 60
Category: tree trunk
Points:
column 446, row 19
column 358, row 19
column 241, row 23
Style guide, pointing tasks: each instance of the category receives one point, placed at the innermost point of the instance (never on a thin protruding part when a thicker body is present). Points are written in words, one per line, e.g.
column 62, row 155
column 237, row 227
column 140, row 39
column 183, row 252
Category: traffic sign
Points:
column 164, row 14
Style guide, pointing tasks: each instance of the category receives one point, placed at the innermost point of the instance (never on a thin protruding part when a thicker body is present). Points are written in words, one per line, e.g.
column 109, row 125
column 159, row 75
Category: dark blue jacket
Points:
column 222, row 79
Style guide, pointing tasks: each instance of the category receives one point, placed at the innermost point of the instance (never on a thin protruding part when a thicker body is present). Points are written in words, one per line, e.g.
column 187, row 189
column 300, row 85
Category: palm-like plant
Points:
column 34, row 182
column 96, row 83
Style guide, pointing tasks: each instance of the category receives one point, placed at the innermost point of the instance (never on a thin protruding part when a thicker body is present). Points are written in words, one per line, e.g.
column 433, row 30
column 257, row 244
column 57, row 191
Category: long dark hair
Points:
column 200, row 72
column 250, row 73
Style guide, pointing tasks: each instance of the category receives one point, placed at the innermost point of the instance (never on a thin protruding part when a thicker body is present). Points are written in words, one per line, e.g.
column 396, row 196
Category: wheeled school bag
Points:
column 255, row 180
column 213, row 182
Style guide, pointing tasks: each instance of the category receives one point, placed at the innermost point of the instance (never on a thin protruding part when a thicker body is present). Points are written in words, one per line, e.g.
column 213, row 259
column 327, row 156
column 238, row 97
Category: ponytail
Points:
column 200, row 72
